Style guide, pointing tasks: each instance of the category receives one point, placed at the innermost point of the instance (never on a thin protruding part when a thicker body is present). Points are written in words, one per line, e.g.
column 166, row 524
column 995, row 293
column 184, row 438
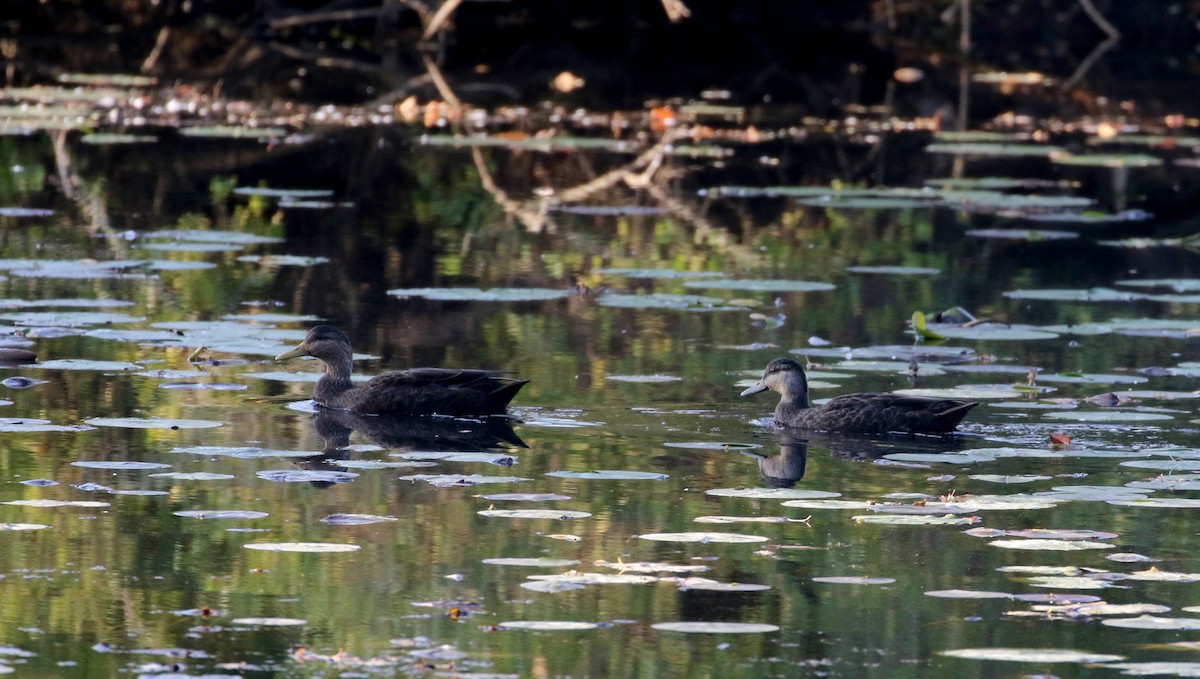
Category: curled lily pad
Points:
column 479, row 295
column 716, row 627
column 151, row 423
column 307, row 547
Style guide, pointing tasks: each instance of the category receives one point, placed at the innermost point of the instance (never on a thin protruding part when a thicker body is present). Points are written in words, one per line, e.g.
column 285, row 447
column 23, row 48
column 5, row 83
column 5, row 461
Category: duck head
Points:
column 324, row 342
column 785, row 377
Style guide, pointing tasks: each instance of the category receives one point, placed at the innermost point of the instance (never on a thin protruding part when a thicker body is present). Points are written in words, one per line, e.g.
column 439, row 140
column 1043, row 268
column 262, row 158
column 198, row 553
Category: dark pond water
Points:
column 170, row 469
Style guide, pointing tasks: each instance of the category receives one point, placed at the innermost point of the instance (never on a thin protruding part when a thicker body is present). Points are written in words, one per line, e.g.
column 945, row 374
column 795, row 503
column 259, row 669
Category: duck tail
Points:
column 504, row 393
column 958, row 412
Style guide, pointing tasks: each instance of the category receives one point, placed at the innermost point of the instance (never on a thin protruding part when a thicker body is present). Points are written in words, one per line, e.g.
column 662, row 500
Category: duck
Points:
column 856, row 413
column 416, row 392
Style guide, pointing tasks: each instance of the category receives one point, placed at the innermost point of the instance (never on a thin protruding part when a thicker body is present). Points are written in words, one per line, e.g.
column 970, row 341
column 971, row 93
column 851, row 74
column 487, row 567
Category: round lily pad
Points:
column 772, row 493
column 704, row 537
column 480, row 295
column 1035, row 655
column 119, row 465
column 151, row 423
column 608, row 475
column 221, row 514
column 760, row 285
column 558, row 514
column 853, row 580
column 308, row 547
column 716, row 627
column 548, row 625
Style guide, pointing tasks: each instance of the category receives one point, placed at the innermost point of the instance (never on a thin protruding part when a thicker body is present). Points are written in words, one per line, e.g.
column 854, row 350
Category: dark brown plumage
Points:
column 856, row 413
column 420, row 391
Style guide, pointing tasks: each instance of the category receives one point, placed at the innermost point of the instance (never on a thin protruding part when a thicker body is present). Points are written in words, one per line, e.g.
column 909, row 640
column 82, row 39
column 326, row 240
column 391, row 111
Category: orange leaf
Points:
column 1060, row 439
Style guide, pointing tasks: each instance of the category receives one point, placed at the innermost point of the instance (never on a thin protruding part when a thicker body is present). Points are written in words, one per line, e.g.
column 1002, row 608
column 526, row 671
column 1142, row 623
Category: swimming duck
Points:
column 419, row 391
column 856, row 413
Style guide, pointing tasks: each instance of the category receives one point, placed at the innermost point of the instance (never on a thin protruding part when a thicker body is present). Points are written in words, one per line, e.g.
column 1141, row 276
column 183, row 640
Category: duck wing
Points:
column 425, row 391
column 878, row 413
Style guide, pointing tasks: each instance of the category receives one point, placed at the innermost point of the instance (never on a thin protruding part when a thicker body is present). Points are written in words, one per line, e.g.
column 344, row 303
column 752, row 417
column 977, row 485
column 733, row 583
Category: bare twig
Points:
column 324, row 17
column 441, row 16
column 443, row 87
column 1089, row 61
column 159, row 44
column 1095, row 15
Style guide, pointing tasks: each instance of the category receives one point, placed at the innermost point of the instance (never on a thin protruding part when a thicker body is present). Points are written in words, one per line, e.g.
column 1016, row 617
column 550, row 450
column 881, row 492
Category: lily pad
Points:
column 992, row 332
column 526, row 497
column 1031, row 235
column 270, row 622
column 532, row 562
column 151, row 423
column 119, row 465
column 557, row 514
column 446, row 480
column 608, row 475
column 644, row 379
column 661, row 274
column 306, row 547
column 1075, row 295
column 84, row 364
column 1107, row 416
column 306, row 476
column 662, row 300
column 716, row 627
column 895, row 270
column 355, row 519
column 1035, row 655
column 703, row 537
column 853, row 580
column 221, row 514
column 282, row 260
column 480, row 295
column 46, row 503
column 760, row 285
column 1154, row 622
column 548, row 625
column 772, row 493
column 1050, row 545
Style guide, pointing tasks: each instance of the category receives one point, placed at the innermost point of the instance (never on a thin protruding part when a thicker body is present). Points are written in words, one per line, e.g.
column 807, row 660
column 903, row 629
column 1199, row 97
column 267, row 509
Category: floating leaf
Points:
column 22, row 526
column 608, row 475
column 307, row 547
column 694, row 583
column 446, row 480
column 84, row 364
column 1154, row 622
column 967, row 594
column 1050, row 545
column 703, row 537
column 533, row 562
column 660, row 300
column 915, row 520
column 1037, row 655
column 715, row 627
column 548, row 625
column 651, row 567
column 306, row 476
column 829, row 504
column 663, row 274
column 853, row 580
column 282, row 260
column 922, row 330
column 895, row 270
column 221, row 514
column 526, row 497
column 558, row 514
column 58, row 503
column 151, row 423
column 479, row 295
column 355, row 519
column 1019, row 478
column 644, row 379
column 760, row 285
column 119, row 465
column 772, row 493
column 1107, row 416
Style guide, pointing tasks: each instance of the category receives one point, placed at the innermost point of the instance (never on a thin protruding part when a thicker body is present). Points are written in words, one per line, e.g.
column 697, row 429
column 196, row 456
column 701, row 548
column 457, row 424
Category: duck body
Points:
column 419, row 391
column 867, row 413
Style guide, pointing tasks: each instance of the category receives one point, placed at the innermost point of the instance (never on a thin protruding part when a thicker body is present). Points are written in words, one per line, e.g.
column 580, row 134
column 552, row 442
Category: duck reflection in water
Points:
column 785, row 469
column 404, row 434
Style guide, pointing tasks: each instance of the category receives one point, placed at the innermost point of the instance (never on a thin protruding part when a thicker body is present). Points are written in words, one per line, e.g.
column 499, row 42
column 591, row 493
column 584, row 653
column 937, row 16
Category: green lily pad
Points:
column 1034, row 655
column 233, row 132
column 703, row 537
column 1075, row 295
column 267, row 192
column 661, row 274
column 1032, row 235
column 760, row 285
column 895, row 270
column 305, row 547
column 662, row 300
column 1107, row 160
column 997, row 150
column 151, row 423
column 715, row 627
column 992, row 332
column 480, row 295
column 282, row 260
column 214, row 236
column 113, row 139
column 608, row 475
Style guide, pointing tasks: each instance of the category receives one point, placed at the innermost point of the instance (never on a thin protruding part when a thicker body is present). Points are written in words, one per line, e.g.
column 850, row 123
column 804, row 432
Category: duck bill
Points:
column 292, row 353
column 760, row 387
